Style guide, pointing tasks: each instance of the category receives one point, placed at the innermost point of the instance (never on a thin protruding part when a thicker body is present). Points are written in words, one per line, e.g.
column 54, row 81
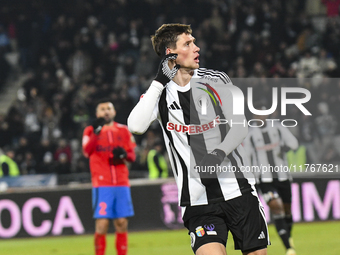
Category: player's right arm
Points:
column 145, row 112
column 89, row 141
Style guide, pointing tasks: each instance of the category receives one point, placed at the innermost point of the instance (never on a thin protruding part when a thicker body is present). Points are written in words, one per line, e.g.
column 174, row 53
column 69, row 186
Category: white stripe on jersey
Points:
column 264, row 147
column 185, row 151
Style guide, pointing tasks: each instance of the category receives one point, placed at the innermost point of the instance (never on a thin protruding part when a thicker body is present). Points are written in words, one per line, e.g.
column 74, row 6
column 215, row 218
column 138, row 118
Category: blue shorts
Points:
column 112, row 202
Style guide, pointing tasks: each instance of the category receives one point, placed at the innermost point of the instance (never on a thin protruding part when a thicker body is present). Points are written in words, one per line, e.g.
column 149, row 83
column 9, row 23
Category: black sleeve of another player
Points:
column 5, row 169
column 155, row 159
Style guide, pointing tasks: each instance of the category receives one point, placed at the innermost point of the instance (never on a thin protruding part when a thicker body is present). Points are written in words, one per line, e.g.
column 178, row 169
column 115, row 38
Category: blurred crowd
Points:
column 74, row 52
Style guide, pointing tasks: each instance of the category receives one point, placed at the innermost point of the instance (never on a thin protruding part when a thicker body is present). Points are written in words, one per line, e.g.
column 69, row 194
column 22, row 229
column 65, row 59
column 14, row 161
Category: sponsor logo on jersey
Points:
column 210, row 229
column 101, row 148
column 192, row 129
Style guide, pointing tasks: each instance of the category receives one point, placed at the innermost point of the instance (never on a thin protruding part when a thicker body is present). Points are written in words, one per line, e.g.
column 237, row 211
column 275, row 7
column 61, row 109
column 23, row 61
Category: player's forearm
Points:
column 235, row 136
column 292, row 142
column 141, row 116
column 237, row 123
column 289, row 139
column 131, row 156
column 89, row 144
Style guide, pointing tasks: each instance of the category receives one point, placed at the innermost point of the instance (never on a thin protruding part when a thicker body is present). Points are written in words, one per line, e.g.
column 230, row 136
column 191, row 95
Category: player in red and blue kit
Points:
column 109, row 145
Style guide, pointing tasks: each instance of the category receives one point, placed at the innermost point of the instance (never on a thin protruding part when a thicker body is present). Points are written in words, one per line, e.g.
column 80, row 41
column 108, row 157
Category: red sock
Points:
column 121, row 243
column 99, row 243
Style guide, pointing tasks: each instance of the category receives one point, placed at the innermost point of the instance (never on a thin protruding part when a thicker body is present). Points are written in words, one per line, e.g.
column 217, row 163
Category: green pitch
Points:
column 309, row 238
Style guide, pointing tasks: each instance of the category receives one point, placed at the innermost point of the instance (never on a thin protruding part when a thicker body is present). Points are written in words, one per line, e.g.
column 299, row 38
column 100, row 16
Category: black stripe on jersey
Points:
column 278, row 130
column 241, row 180
column 198, row 146
column 270, row 155
column 238, row 155
column 219, row 112
column 164, row 115
column 173, row 159
column 191, row 118
column 280, row 135
column 215, row 73
column 254, row 147
column 223, row 76
column 214, row 76
column 240, row 176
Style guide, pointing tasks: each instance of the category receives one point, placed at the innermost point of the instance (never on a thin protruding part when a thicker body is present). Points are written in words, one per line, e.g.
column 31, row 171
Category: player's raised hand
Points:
column 119, row 153
column 165, row 74
column 98, row 125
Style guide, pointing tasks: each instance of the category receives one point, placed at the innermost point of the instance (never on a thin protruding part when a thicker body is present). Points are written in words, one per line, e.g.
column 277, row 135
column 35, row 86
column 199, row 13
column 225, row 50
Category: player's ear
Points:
column 167, row 51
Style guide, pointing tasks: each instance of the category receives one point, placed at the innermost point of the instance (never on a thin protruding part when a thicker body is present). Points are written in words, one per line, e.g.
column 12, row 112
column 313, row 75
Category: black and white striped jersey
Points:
column 188, row 116
column 264, row 147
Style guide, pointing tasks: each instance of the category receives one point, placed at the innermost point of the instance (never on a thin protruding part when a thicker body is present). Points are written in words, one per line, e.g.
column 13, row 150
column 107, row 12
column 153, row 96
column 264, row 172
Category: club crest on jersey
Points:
column 192, row 129
column 200, row 231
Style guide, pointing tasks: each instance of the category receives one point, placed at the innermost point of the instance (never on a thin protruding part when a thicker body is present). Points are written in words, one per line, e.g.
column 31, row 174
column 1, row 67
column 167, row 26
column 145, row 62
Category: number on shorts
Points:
column 102, row 210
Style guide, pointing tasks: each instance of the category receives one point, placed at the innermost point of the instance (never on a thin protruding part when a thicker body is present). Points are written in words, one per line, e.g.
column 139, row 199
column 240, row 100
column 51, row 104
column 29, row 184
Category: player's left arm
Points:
column 288, row 139
column 237, row 123
column 130, row 151
column 237, row 132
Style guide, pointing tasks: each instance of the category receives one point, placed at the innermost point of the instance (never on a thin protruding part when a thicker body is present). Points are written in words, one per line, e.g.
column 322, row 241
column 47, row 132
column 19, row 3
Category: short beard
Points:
column 108, row 121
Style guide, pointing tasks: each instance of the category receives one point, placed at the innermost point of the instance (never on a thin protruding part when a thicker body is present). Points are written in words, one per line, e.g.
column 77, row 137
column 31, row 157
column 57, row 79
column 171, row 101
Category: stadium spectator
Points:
column 157, row 165
column 4, row 69
column 62, row 165
column 4, row 40
column 23, row 30
column 46, row 165
column 109, row 146
column 63, row 148
column 28, row 165
column 8, row 167
column 22, row 148
column 332, row 7
column 5, row 137
column 326, row 63
column 308, row 137
column 326, row 126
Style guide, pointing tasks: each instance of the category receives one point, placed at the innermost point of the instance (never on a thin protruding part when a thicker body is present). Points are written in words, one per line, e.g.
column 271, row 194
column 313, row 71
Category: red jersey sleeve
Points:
column 89, row 141
column 131, row 155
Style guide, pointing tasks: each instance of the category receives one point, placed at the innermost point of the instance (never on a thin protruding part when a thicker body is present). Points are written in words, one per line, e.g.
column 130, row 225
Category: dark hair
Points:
column 103, row 100
column 166, row 37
